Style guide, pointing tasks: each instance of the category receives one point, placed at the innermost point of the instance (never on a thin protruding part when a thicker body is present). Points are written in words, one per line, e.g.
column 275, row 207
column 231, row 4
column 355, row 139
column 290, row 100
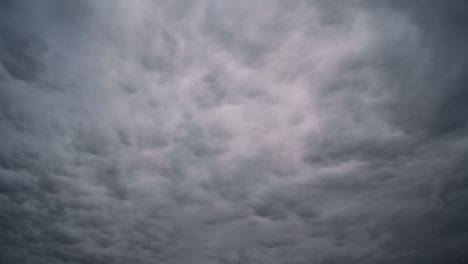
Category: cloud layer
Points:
column 233, row 131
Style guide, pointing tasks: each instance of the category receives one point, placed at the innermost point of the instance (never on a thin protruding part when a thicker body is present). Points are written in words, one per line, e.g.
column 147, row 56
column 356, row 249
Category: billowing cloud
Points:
column 233, row 131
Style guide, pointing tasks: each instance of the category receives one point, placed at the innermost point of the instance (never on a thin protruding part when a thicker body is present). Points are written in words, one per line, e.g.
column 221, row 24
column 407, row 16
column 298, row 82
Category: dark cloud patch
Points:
column 21, row 54
column 443, row 76
column 219, row 132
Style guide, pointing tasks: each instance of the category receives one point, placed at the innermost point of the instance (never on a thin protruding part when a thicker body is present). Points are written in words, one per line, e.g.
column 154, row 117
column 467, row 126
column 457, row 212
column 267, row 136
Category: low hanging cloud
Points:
column 233, row 131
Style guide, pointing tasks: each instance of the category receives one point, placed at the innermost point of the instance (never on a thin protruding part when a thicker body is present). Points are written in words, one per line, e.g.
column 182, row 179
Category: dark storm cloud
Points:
column 233, row 132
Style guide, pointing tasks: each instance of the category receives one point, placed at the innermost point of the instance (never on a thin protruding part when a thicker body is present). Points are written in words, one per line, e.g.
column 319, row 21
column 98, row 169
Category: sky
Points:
column 229, row 132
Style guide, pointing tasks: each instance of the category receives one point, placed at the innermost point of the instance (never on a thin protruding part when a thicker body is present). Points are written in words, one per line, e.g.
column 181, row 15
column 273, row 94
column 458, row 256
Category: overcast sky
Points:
column 233, row 131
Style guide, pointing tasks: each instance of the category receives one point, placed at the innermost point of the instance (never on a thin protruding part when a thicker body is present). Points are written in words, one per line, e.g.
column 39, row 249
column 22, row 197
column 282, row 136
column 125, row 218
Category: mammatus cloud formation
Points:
column 301, row 131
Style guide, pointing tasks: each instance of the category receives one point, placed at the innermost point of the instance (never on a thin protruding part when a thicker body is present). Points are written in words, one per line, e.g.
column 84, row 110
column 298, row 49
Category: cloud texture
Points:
column 222, row 132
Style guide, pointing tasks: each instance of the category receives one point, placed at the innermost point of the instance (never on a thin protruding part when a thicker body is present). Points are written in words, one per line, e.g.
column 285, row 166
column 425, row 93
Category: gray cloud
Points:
column 233, row 132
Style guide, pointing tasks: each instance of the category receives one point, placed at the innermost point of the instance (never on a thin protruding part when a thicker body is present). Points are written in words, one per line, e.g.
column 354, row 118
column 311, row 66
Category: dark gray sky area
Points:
column 234, row 132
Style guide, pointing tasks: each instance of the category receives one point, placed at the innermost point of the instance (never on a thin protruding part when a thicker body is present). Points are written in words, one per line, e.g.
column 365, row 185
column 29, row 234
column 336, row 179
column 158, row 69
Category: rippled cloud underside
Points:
column 222, row 132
